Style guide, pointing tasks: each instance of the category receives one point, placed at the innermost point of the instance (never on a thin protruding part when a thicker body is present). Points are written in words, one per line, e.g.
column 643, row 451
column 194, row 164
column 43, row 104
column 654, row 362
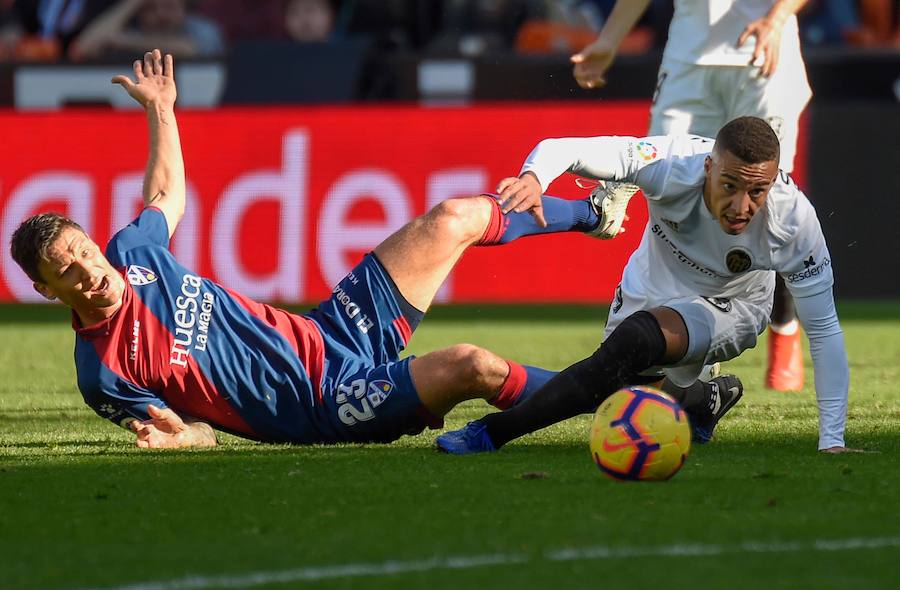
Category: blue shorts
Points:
column 367, row 393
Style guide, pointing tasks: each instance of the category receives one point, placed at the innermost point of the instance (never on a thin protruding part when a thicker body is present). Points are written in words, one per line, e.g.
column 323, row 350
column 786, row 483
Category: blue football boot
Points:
column 470, row 439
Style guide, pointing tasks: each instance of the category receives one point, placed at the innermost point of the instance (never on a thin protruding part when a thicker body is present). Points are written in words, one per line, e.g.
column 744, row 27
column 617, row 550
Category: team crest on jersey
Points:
column 139, row 276
column 378, row 391
column 646, row 151
column 738, row 260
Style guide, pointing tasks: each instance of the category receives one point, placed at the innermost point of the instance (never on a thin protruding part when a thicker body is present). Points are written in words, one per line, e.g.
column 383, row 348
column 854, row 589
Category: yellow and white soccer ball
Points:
column 640, row 433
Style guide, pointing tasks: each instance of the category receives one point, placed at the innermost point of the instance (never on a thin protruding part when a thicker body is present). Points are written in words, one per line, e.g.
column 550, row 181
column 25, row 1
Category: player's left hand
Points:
column 155, row 77
column 161, row 431
column 767, row 31
column 520, row 194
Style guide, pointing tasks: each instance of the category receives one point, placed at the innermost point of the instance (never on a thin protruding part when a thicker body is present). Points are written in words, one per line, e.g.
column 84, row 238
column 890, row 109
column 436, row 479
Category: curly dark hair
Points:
column 33, row 237
column 749, row 138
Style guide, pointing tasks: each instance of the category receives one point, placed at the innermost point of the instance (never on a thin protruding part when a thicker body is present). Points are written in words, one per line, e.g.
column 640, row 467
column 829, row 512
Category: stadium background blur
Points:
column 301, row 155
column 312, row 129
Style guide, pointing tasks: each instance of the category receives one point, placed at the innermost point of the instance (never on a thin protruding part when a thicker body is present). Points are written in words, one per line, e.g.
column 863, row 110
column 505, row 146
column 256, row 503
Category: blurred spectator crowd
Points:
column 87, row 30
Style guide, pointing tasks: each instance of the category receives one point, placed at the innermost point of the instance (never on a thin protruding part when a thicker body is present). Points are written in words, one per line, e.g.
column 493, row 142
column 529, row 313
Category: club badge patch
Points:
column 139, row 276
column 738, row 260
column 646, row 151
column 378, row 391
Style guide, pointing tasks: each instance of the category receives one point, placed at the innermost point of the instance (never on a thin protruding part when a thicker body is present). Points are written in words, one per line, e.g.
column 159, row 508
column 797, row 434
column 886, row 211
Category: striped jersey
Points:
column 184, row 342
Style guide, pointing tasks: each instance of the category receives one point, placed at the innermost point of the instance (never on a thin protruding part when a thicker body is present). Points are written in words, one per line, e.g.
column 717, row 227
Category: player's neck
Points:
column 91, row 316
column 706, row 195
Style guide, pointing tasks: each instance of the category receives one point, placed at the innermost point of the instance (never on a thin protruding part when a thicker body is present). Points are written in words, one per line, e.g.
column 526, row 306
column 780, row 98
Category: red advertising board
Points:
column 282, row 201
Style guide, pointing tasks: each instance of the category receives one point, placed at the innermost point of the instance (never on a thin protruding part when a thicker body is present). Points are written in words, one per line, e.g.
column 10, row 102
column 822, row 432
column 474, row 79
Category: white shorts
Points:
column 699, row 99
column 718, row 329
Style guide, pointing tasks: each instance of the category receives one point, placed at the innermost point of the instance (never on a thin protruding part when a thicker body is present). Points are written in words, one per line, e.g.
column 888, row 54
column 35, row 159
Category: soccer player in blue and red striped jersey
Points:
column 174, row 356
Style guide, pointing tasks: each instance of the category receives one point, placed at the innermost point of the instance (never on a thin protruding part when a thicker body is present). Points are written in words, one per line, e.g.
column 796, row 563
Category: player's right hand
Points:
column 161, row 431
column 767, row 31
column 155, row 77
column 591, row 63
column 521, row 194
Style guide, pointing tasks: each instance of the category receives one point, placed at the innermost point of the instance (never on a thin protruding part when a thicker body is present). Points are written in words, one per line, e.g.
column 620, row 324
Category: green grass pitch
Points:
column 81, row 508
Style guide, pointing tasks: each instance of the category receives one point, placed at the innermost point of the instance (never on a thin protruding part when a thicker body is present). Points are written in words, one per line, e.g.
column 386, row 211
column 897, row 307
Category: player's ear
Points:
column 44, row 290
column 707, row 165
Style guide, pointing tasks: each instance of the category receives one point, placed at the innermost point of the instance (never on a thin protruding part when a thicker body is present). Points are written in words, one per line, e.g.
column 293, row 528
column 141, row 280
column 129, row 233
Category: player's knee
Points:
column 459, row 219
column 482, row 369
column 635, row 345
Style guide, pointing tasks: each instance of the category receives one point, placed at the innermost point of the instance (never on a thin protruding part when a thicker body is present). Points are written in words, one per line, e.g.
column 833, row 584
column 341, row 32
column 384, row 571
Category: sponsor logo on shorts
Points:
column 646, row 151
column 738, row 260
column 720, row 303
column 352, row 310
column 139, row 276
column 812, row 270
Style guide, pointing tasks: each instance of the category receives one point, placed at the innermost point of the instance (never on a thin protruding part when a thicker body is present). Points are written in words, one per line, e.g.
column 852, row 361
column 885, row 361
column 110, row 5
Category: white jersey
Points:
column 685, row 253
column 684, row 250
column 705, row 32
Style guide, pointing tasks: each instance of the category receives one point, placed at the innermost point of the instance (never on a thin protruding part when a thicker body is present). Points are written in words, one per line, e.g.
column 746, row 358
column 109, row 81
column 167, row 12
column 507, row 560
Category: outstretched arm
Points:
column 154, row 89
column 167, row 430
column 601, row 158
column 591, row 63
column 767, row 31
column 832, row 374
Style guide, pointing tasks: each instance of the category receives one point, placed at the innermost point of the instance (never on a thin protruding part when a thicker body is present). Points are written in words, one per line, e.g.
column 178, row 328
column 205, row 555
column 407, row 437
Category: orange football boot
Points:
column 785, row 370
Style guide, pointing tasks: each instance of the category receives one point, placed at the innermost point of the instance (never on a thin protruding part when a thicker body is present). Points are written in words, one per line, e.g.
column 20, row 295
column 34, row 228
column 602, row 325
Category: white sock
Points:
column 788, row 329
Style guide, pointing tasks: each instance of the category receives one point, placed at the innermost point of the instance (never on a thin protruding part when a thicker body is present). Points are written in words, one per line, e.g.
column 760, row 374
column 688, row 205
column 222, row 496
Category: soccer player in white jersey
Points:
column 698, row 289
column 724, row 59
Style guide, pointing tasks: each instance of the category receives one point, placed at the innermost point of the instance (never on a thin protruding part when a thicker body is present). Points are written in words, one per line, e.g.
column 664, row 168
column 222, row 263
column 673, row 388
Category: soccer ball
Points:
column 640, row 433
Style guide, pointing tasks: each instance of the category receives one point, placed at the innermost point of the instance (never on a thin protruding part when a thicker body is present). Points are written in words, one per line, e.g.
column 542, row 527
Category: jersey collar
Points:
column 105, row 327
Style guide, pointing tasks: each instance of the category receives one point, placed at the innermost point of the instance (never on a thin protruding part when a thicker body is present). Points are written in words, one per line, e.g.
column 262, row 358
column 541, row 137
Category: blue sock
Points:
column 536, row 379
column 562, row 215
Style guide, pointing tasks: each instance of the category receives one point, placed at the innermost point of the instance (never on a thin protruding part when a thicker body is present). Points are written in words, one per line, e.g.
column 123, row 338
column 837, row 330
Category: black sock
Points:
column 695, row 395
column 635, row 345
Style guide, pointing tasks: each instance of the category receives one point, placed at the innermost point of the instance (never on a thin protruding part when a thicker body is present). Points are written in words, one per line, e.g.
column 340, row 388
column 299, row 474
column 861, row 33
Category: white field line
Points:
column 464, row 562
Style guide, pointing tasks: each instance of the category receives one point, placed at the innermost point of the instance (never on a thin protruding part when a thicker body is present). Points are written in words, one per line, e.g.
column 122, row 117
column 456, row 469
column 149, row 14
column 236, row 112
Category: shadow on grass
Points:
column 65, row 443
column 50, row 417
column 800, row 448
